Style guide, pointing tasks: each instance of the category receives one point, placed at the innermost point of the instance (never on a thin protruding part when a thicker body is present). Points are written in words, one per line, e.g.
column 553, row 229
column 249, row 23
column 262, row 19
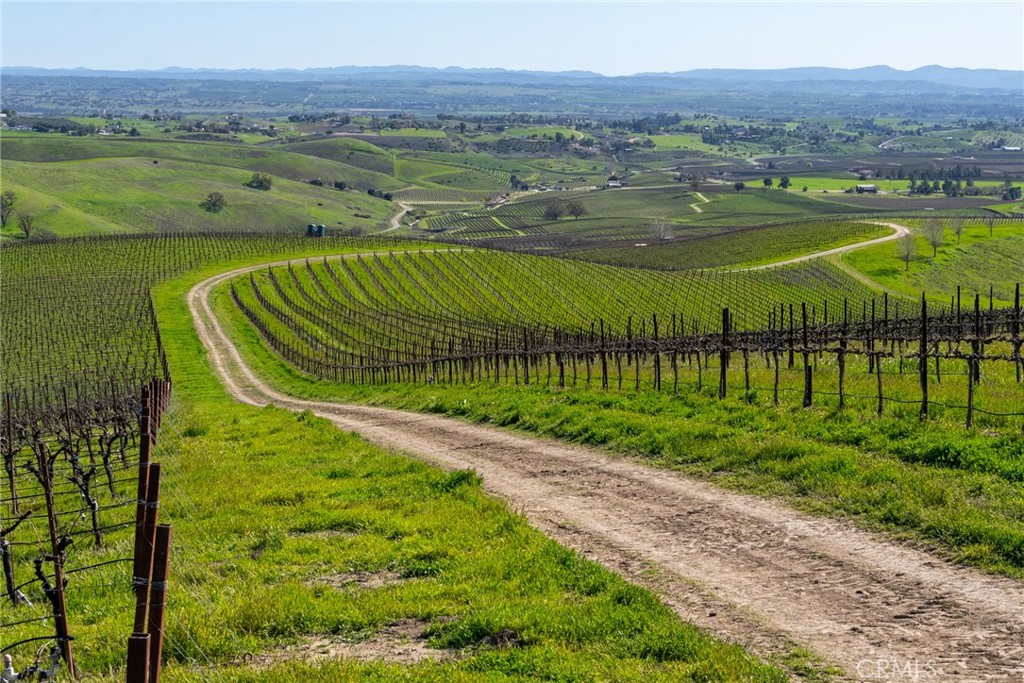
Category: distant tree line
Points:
column 316, row 117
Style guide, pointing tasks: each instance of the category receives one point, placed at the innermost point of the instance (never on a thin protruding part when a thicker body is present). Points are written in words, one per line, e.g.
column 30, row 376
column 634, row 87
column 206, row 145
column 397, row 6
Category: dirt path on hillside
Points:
column 396, row 220
column 898, row 232
column 696, row 205
column 749, row 570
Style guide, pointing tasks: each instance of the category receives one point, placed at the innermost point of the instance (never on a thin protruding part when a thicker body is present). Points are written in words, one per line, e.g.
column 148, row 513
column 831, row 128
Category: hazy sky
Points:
column 613, row 38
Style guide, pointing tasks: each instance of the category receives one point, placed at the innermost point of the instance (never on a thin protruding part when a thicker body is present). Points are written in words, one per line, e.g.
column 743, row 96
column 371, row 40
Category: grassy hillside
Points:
column 140, row 194
column 276, row 160
column 979, row 262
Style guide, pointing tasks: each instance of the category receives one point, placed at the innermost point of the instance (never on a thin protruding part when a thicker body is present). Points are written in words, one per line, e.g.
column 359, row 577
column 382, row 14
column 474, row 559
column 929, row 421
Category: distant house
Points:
column 614, row 183
column 1010, row 149
column 872, row 189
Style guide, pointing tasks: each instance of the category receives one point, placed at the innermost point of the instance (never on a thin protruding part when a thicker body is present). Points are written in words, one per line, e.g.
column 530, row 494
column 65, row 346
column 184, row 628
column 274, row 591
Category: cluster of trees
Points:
column 518, row 184
column 768, row 181
column 337, row 184
column 515, row 119
column 26, row 221
column 332, row 116
column 694, row 179
column 934, row 232
column 158, row 115
column 233, row 123
column 958, row 188
column 648, row 124
column 557, row 208
column 379, row 194
column 260, row 181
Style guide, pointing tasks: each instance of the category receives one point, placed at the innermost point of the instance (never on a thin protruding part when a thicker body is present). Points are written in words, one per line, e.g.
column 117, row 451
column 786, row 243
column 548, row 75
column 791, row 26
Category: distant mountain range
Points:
column 783, row 79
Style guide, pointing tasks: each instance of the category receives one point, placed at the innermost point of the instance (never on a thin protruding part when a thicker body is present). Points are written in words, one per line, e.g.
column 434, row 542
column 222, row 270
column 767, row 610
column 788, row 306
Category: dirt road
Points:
column 396, row 220
column 747, row 569
column 898, row 232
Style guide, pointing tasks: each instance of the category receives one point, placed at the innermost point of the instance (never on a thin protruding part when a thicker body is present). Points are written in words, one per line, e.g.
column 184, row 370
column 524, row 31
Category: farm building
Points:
column 872, row 189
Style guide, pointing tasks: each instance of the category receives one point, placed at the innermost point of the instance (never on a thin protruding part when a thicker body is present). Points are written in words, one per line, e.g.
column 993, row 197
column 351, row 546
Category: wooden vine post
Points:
column 55, row 591
column 923, row 358
column 1015, row 332
column 808, row 370
column 158, row 599
column 723, row 356
column 843, row 343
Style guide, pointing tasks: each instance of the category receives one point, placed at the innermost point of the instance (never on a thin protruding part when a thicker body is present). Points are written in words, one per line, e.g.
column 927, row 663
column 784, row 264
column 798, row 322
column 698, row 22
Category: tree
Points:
column 554, row 211
column 990, row 221
column 738, row 186
column 957, row 224
column 661, row 229
column 906, row 249
column 576, row 208
column 695, row 179
column 935, row 233
column 260, row 181
column 768, row 182
column 784, row 182
column 7, row 201
column 26, row 222
column 214, row 202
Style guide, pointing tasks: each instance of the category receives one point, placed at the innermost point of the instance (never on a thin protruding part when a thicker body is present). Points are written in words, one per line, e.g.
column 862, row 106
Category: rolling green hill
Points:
column 95, row 185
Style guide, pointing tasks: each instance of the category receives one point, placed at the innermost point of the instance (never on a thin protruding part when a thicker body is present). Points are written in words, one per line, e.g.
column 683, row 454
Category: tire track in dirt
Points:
column 747, row 569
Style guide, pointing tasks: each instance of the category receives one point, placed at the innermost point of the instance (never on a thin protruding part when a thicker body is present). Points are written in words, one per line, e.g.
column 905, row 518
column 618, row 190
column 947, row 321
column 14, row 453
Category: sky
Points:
column 613, row 38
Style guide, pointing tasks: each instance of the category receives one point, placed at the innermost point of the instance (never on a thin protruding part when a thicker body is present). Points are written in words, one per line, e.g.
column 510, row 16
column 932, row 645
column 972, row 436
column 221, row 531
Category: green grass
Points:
column 977, row 263
column 688, row 141
column 541, row 132
column 1009, row 208
column 134, row 194
column 275, row 159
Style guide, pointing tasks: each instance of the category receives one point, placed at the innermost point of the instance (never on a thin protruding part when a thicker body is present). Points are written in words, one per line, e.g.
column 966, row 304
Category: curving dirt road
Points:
column 898, row 232
column 396, row 220
column 747, row 569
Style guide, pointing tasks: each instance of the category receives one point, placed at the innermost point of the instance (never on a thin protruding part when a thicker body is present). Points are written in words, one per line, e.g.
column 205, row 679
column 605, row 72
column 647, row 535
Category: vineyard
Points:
column 610, row 215
column 463, row 317
column 751, row 246
column 81, row 356
column 76, row 580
